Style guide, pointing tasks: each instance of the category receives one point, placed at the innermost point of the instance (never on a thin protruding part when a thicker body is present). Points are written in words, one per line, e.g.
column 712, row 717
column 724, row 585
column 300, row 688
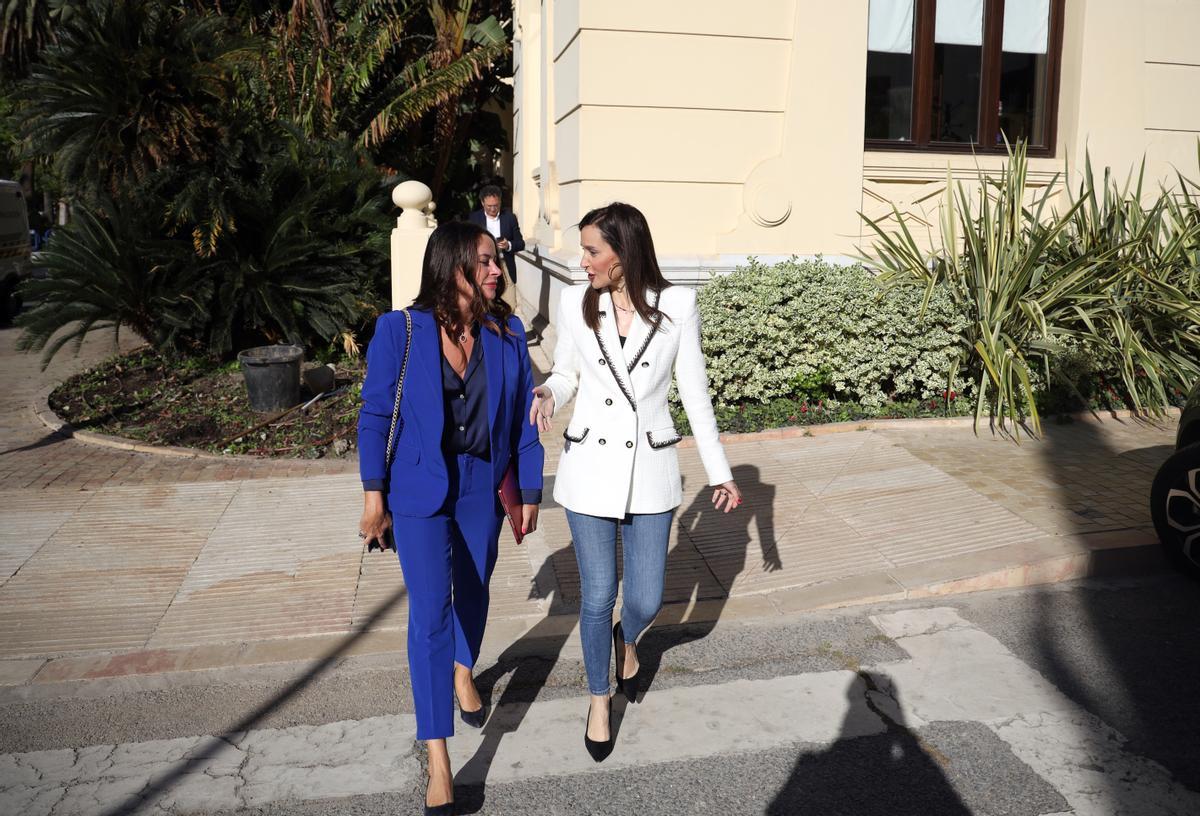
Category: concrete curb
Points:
column 1048, row 560
column 794, row 431
column 58, row 425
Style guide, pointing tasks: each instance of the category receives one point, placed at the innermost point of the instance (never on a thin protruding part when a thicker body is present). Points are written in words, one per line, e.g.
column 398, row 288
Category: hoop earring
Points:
column 621, row 279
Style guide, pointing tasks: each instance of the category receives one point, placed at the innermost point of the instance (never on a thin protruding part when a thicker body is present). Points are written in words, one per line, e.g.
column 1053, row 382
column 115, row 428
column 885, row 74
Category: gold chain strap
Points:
column 387, row 457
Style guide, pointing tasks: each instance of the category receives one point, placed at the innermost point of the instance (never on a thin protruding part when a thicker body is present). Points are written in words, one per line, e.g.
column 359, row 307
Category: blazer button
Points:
column 602, row 361
column 645, row 364
column 608, row 402
column 603, row 441
column 629, row 444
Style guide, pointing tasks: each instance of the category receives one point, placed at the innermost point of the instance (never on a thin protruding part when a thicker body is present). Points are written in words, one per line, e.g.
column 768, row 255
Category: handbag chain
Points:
column 387, row 458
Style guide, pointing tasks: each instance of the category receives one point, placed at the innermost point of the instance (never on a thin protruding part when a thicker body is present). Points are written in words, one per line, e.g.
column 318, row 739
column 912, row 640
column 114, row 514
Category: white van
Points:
column 15, row 248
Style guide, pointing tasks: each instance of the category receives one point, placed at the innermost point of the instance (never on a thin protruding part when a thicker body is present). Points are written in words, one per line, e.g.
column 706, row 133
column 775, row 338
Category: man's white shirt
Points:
column 493, row 225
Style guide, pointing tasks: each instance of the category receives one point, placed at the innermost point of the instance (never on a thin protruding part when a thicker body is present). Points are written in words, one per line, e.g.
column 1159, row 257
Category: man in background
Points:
column 504, row 228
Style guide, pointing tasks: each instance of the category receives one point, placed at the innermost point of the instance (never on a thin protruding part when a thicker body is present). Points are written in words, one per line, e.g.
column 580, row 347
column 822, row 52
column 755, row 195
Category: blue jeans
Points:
column 644, row 537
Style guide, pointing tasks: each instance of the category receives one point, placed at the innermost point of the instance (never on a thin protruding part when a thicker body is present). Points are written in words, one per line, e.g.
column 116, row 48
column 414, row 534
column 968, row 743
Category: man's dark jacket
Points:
column 510, row 230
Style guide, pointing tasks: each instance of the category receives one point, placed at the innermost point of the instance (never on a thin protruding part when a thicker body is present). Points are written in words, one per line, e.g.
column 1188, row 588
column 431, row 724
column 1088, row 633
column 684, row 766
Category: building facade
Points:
column 763, row 127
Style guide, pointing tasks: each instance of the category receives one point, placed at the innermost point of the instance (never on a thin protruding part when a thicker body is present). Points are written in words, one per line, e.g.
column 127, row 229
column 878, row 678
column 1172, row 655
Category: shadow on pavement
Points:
column 198, row 759
column 1137, row 669
column 699, row 522
column 888, row 774
column 529, row 661
column 52, row 438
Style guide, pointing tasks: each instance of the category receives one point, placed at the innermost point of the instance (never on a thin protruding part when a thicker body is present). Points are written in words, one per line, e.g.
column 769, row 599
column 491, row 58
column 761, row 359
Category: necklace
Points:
column 462, row 338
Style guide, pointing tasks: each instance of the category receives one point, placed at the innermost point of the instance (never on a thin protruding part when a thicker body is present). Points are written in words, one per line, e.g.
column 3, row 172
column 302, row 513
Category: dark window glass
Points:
column 889, row 96
column 963, row 74
column 1022, row 105
column 955, row 98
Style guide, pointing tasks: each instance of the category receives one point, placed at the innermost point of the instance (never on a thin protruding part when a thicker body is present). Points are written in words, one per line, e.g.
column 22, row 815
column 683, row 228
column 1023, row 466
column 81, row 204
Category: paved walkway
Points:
column 114, row 562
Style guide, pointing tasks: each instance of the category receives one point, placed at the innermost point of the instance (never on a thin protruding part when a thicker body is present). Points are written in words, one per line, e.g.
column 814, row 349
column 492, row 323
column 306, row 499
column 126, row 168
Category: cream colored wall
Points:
column 737, row 128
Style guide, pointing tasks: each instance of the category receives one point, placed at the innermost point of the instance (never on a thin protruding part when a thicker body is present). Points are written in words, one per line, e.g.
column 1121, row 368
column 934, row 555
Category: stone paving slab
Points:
column 234, row 563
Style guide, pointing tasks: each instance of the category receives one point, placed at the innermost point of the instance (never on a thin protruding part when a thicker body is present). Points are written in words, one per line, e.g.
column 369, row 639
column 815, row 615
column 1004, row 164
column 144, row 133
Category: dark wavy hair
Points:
column 624, row 228
column 453, row 249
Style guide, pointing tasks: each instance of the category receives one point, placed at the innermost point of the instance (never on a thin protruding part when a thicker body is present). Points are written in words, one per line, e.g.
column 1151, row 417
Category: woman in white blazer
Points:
column 621, row 336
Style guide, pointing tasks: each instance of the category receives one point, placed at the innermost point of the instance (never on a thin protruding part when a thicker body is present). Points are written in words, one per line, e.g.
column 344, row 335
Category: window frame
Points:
column 924, row 13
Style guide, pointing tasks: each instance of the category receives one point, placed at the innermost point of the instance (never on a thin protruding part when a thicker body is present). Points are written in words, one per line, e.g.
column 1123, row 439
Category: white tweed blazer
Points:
column 619, row 455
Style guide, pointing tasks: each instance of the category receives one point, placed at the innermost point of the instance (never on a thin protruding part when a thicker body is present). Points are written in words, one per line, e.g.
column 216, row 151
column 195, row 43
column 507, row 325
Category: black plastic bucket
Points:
column 272, row 376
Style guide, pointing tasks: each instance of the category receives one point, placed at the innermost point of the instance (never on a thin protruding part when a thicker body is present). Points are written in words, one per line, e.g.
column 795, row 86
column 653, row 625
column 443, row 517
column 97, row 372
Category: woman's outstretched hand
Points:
column 542, row 409
column 727, row 496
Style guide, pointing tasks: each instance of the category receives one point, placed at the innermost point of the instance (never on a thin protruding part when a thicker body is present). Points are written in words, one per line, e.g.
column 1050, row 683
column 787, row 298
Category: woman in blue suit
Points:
column 463, row 418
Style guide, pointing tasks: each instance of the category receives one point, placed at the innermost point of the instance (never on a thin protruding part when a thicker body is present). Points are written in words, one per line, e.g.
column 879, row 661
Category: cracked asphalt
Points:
column 1072, row 698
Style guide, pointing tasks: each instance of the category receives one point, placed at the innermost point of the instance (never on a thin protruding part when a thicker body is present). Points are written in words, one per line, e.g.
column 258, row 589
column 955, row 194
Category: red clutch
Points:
column 510, row 500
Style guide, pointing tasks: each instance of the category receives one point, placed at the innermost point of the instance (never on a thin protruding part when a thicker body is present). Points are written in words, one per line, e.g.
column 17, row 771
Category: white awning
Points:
column 959, row 22
column 890, row 26
column 1026, row 26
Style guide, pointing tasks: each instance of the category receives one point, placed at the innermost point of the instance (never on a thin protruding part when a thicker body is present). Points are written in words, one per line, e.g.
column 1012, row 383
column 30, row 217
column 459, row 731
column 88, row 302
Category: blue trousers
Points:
column 447, row 561
column 644, row 539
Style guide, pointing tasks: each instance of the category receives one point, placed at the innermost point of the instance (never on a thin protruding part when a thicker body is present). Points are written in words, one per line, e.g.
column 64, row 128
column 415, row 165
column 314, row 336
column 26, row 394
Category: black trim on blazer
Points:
column 653, row 331
column 613, row 369
column 666, row 443
column 581, row 437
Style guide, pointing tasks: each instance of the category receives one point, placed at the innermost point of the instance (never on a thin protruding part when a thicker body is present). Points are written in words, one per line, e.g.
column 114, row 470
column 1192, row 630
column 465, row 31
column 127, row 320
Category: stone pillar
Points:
column 411, row 234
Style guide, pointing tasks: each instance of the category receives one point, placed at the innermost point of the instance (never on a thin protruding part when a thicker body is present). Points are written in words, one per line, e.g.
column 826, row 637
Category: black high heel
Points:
column 598, row 750
column 629, row 686
column 475, row 718
column 440, row 810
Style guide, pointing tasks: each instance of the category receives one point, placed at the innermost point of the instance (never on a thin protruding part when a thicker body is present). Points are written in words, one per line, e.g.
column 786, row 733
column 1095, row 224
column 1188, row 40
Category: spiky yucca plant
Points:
column 1102, row 273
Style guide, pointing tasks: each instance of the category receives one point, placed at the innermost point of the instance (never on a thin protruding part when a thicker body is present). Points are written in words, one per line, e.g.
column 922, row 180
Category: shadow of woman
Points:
column 529, row 662
column 888, row 774
column 723, row 543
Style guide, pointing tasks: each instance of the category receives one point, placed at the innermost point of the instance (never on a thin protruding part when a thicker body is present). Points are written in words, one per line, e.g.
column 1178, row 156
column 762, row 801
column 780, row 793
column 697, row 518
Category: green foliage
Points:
column 785, row 412
column 809, row 330
column 205, row 225
column 1109, row 274
column 105, row 272
column 130, row 87
column 301, row 237
column 304, row 242
column 26, row 26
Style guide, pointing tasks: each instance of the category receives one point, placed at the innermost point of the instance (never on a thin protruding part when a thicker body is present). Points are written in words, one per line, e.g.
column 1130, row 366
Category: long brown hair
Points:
column 453, row 248
column 624, row 228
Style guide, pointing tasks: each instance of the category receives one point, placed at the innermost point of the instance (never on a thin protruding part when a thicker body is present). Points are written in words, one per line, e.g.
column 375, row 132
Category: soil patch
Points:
column 203, row 404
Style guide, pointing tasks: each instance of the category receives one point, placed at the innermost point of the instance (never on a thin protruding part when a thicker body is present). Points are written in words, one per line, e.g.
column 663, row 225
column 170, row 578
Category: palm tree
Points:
column 28, row 26
column 129, row 87
column 369, row 69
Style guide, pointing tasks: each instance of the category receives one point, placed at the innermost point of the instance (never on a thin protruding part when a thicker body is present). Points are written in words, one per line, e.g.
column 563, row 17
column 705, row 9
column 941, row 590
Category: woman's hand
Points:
column 529, row 515
column 375, row 522
column 542, row 409
column 727, row 495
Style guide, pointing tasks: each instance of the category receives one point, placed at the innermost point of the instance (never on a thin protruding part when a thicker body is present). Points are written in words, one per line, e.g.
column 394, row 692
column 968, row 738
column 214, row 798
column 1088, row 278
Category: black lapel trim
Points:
column 613, row 370
column 653, row 331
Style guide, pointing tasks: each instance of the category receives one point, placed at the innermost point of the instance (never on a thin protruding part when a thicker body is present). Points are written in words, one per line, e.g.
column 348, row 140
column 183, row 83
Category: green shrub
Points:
column 811, row 330
column 1109, row 285
column 285, row 244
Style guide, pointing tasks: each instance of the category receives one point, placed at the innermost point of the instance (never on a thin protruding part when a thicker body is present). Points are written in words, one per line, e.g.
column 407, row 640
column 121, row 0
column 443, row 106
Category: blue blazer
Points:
column 418, row 483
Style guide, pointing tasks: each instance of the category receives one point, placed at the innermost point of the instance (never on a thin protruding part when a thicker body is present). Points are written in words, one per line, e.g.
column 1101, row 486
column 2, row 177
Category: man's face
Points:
column 491, row 206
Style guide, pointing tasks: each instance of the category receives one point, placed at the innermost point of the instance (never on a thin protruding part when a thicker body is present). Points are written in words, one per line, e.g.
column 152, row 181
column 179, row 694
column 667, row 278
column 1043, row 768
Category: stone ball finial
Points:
column 412, row 195
column 413, row 198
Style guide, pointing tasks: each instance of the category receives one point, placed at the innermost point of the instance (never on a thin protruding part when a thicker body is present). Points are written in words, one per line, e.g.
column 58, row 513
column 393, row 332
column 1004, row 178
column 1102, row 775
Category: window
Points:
column 961, row 75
